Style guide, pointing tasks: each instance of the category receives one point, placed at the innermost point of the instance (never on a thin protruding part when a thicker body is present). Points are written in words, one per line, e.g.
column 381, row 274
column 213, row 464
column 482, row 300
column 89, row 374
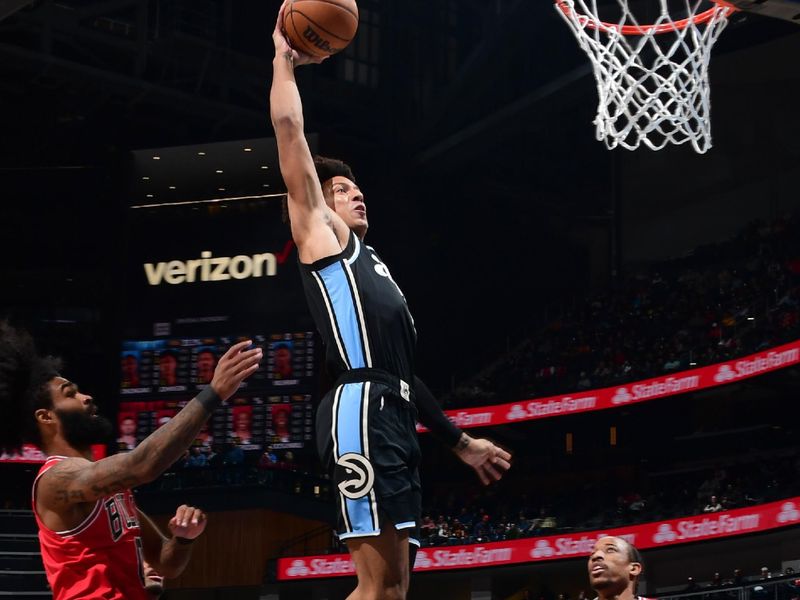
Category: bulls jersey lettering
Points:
column 100, row 558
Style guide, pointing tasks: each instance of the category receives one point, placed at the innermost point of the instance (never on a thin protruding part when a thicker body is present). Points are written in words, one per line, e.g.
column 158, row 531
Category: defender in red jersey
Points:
column 615, row 566
column 94, row 540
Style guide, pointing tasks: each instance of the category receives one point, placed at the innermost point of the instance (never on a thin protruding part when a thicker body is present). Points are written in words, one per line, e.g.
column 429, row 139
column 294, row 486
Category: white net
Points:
column 652, row 79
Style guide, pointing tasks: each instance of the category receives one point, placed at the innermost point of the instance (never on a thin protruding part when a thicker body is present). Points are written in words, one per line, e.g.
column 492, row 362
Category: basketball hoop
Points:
column 652, row 91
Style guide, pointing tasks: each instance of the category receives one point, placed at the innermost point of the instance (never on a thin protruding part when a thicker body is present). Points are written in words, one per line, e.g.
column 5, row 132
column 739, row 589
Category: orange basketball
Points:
column 320, row 27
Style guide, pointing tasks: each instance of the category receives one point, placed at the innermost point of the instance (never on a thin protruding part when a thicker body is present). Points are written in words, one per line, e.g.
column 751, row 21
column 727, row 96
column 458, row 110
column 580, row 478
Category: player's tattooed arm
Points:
column 77, row 480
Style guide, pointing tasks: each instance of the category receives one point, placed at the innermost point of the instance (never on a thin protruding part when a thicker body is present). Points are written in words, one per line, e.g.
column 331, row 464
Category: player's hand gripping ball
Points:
column 320, row 27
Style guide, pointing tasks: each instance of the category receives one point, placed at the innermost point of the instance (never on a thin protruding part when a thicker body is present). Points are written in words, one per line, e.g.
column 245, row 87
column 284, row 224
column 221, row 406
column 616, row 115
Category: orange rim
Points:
column 698, row 19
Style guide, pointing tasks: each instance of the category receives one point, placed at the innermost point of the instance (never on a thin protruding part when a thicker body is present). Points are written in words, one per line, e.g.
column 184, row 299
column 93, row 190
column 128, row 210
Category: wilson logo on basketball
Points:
column 318, row 41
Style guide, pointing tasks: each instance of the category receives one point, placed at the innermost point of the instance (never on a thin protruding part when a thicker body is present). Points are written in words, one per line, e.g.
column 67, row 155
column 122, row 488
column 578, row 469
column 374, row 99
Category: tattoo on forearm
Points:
column 69, row 496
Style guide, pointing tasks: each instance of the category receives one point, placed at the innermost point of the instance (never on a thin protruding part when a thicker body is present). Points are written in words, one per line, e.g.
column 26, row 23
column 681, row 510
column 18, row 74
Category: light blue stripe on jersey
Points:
column 336, row 284
column 348, row 439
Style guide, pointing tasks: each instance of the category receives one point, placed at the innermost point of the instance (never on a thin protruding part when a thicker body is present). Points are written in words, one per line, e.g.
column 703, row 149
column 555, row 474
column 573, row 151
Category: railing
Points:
column 783, row 588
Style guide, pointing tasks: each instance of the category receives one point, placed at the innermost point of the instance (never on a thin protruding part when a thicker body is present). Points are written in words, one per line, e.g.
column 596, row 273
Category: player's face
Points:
column 167, row 363
column 127, row 427
column 205, row 366
column 129, row 367
column 75, row 415
column 347, row 201
column 609, row 565
column 283, row 361
column 243, row 421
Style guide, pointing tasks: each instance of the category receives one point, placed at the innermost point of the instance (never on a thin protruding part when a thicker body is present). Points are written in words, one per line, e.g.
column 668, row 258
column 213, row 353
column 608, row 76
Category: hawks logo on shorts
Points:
column 354, row 475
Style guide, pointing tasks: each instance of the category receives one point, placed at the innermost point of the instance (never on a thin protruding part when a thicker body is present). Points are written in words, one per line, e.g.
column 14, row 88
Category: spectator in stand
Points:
column 738, row 578
column 716, row 581
column 691, row 585
column 713, row 506
column 196, row 458
column 483, row 530
column 428, row 528
column 268, row 459
column 680, row 312
column 457, row 533
column 442, row 532
column 765, row 574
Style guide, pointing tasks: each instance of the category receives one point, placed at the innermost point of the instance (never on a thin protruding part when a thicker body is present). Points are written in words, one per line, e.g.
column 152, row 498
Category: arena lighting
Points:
column 156, row 158
column 201, row 154
column 248, row 149
column 172, row 187
column 145, row 178
column 264, row 167
column 221, row 189
column 692, row 364
column 265, row 185
column 751, row 318
column 219, row 170
column 210, row 201
column 149, row 195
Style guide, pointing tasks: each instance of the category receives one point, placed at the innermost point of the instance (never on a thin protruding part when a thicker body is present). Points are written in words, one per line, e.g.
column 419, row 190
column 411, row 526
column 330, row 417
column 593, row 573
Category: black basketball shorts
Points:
column 367, row 438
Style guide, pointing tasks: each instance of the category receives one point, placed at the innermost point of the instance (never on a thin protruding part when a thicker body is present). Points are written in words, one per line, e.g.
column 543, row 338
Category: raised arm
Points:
column 311, row 219
column 77, row 480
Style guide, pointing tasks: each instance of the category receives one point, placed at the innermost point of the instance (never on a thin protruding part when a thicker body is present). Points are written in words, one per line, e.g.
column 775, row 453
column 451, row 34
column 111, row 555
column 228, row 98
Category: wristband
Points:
column 183, row 541
column 209, row 399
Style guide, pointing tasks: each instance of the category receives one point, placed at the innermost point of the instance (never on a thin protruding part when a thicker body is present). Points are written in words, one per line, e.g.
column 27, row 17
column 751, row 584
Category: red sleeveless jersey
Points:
column 99, row 559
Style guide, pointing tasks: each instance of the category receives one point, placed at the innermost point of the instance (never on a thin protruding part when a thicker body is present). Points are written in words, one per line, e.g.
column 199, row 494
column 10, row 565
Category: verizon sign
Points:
column 649, row 535
column 638, row 391
column 216, row 268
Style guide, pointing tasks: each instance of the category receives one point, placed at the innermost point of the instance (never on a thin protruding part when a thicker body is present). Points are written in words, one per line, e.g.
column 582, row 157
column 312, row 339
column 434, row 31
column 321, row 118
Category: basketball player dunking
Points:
column 93, row 539
column 366, row 431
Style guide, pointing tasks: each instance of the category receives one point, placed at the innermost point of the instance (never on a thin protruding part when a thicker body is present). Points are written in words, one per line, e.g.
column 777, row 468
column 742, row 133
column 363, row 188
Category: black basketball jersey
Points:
column 360, row 312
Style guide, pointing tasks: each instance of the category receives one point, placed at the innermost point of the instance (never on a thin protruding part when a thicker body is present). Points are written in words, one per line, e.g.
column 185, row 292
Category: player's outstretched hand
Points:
column 236, row 365
column 490, row 462
column 189, row 522
column 284, row 48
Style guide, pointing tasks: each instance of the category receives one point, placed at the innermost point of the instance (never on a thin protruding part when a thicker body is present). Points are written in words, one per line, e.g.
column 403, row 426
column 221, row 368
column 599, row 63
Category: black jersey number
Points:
column 114, row 519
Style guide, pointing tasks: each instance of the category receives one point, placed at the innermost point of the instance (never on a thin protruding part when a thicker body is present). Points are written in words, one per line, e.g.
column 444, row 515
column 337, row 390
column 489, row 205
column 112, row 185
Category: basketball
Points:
column 320, row 27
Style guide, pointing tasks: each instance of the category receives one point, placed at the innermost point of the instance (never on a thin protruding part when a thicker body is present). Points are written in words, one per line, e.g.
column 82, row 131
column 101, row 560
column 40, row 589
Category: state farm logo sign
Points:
column 757, row 364
column 724, row 374
column 789, row 513
column 658, row 387
column 690, row 529
column 570, row 546
column 298, row 569
column 621, row 396
column 665, row 534
column 320, row 567
column 423, row 561
column 553, row 406
column 543, row 549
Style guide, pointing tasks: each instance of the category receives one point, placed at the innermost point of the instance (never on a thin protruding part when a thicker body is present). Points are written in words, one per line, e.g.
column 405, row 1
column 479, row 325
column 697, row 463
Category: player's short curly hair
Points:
column 327, row 168
column 24, row 376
